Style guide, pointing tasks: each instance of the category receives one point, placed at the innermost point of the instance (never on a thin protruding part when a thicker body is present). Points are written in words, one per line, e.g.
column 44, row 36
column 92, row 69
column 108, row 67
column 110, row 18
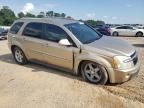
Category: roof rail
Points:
column 47, row 17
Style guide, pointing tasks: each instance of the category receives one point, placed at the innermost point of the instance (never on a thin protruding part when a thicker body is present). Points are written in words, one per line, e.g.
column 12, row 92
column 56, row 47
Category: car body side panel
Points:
column 130, row 32
column 122, row 32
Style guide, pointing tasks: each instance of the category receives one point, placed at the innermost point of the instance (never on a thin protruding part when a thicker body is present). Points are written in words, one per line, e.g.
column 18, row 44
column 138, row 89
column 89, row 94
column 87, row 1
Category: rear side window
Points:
column 127, row 27
column 33, row 30
column 16, row 27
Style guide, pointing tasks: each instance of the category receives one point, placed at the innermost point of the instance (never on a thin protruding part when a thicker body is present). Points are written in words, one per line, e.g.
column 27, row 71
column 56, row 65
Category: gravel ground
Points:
column 133, row 89
column 35, row 86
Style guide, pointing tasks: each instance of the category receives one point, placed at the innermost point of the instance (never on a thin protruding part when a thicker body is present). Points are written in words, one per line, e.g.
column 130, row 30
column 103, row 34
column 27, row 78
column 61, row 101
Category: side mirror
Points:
column 64, row 42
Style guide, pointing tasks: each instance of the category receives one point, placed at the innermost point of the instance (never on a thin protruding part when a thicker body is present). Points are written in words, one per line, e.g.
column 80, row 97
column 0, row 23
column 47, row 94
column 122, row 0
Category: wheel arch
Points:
column 139, row 32
column 19, row 46
column 101, row 61
column 13, row 46
column 82, row 61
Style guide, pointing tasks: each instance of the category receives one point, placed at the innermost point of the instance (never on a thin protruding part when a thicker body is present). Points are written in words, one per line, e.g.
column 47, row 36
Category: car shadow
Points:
column 8, row 58
column 138, row 45
column 36, row 67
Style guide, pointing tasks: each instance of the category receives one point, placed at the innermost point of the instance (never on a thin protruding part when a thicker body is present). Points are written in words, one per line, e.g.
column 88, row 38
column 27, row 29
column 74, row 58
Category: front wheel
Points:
column 19, row 56
column 94, row 73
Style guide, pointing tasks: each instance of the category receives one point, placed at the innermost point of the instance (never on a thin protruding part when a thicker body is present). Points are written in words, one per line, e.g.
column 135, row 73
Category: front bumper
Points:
column 120, row 76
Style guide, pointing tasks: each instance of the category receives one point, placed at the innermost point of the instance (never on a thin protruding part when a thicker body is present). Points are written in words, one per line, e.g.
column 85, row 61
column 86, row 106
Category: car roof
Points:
column 54, row 20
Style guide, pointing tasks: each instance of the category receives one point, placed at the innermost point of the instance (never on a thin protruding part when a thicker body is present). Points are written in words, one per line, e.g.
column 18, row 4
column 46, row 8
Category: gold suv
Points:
column 71, row 45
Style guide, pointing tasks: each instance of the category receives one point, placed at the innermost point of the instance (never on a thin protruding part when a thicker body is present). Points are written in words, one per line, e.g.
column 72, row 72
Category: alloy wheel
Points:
column 93, row 72
column 18, row 55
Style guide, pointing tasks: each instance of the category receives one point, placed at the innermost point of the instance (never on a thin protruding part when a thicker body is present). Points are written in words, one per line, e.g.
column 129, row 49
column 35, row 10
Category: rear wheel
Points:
column 94, row 73
column 139, row 34
column 115, row 34
column 19, row 56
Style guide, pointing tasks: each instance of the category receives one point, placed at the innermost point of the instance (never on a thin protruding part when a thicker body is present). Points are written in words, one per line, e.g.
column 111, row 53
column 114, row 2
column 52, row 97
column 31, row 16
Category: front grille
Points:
column 134, row 58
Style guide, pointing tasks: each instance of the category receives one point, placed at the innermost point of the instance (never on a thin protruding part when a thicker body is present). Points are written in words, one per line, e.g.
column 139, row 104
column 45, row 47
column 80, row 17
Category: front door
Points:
column 58, row 55
column 54, row 53
column 122, row 31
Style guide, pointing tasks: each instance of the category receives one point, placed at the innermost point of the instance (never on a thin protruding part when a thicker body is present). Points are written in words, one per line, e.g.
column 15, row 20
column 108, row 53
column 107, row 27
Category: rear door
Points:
column 130, row 31
column 32, row 42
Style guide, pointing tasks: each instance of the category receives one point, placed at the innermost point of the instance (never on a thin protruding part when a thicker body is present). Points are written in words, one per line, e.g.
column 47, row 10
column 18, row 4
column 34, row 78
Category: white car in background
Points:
column 127, row 31
column 140, row 27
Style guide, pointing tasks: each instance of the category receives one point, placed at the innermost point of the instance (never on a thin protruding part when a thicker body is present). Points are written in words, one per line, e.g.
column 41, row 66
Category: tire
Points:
column 139, row 34
column 19, row 56
column 115, row 34
column 96, row 75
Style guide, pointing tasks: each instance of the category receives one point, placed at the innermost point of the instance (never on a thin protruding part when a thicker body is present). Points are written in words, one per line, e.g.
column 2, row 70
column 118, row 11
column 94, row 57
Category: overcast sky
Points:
column 111, row 11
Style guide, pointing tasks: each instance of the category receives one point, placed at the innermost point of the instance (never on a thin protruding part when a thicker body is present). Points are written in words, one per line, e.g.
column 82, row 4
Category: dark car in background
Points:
column 103, row 29
column 3, row 33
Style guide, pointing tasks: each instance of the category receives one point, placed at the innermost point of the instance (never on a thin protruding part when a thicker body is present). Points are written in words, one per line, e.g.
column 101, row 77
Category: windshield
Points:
column 83, row 33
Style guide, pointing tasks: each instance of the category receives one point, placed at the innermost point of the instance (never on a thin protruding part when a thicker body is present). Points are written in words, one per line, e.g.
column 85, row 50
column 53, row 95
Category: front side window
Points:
column 33, row 30
column 54, row 33
column 16, row 27
column 83, row 33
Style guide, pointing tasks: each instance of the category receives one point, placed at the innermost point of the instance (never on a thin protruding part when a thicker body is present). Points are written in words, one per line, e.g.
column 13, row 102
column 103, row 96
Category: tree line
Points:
column 7, row 16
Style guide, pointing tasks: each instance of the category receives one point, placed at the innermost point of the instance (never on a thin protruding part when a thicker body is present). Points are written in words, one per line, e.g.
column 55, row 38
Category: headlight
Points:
column 122, row 62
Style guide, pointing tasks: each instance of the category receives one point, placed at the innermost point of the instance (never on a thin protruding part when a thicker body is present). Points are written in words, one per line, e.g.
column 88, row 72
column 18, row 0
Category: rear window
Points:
column 16, row 27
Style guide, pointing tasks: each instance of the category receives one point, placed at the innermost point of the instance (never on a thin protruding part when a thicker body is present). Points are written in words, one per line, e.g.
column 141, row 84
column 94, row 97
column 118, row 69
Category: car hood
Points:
column 113, row 46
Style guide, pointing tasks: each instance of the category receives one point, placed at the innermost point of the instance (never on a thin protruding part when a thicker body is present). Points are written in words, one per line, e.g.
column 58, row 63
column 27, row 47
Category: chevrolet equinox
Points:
column 73, row 46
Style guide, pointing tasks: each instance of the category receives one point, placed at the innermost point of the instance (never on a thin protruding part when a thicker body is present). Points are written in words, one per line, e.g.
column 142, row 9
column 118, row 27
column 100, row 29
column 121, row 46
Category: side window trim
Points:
column 69, row 38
